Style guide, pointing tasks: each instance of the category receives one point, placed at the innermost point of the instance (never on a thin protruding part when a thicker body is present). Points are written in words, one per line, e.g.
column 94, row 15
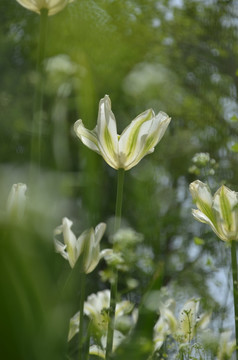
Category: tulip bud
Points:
column 16, row 202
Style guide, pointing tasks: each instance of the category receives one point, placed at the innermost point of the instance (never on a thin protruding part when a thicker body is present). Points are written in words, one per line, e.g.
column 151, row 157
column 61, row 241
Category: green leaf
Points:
column 198, row 241
column 234, row 118
column 234, row 147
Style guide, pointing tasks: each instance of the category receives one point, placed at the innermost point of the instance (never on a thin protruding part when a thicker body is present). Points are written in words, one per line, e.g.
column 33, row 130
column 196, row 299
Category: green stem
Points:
column 38, row 98
column 235, row 289
column 120, row 183
column 113, row 297
column 81, row 314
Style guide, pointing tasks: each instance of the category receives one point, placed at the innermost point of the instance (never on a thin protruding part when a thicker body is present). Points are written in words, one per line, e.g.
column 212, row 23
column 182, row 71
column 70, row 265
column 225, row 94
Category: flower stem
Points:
column 38, row 98
column 235, row 289
column 113, row 297
column 120, row 183
column 81, row 314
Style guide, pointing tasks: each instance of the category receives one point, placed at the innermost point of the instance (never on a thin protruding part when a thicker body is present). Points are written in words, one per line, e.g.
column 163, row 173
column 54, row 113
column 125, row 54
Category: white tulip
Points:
column 96, row 308
column 53, row 6
column 219, row 211
column 16, row 202
column 87, row 244
column 126, row 150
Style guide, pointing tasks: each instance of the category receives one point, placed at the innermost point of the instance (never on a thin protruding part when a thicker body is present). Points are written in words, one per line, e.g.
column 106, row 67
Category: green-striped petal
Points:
column 225, row 207
column 107, row 133
column 200, row 216
column 147, row 135
column 129, row 142
column 88, row 137
column 203, row 198
column 70, row 241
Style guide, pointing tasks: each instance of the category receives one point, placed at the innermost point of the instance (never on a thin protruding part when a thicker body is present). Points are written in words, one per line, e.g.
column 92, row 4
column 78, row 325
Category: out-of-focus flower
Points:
column 189, row 321
column 16, row 202
column 166, row 325
column 87, row 244
column 201, row 159
column 226, row 346
column 99, row 350
column 126, row 150
column 219, row 211
column 53, row 6
column 182, row 329
column 97, row 309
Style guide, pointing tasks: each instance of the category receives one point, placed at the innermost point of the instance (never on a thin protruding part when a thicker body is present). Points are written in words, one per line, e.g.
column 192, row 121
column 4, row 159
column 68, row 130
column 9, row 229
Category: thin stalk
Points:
column 87, row 342
column 38, row 98
column 113, row 297
column 235, row 289
column 81, row 314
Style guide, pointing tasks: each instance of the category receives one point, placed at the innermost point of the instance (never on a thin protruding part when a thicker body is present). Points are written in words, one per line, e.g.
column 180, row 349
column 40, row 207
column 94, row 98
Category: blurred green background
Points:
column 178, row 56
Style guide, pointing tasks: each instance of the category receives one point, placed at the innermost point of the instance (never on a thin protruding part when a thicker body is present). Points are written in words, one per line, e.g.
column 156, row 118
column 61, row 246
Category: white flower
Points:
column 96, row 308
column 219, row 211
column 88, row 243
column 187, row 321
column 16, row 202
column 53, row 6
column 100, row 350
column 184, row 328
column 126, row 150
column 226, row 346
column 166, row 325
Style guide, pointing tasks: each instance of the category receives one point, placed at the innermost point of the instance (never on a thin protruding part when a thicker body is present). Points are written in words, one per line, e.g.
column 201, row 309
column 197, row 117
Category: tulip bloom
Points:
column 96, row 308
column 126, row 150
column 53, row 6
column 183, row 328
column 219, row 211
column 16, row 201
column 87, row 243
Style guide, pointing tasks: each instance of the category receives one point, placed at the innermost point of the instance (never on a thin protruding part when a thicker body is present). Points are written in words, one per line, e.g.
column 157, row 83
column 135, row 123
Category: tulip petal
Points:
column 97, row 351
column 149, row 135
column 129, row 145
column 203, row 198
column 187, row 320
column 61, row 249
column 70, row 241
column 225, row 206
column 99, row 231
column 200, row 216
column 88, row 137
column 91, row 252
column 107, row 133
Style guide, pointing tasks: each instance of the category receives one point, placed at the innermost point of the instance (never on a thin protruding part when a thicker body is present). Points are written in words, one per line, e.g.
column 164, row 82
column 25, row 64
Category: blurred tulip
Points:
column 183, row 328
column 16, row 202
column 126, row 150
column 220, row 211
column 53, row 6
column 226, row 346
column 87, row 243
column 97, row 309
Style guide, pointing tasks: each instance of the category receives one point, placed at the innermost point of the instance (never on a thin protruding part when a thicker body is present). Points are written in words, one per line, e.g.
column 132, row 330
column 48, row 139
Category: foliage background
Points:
column 179, row 56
